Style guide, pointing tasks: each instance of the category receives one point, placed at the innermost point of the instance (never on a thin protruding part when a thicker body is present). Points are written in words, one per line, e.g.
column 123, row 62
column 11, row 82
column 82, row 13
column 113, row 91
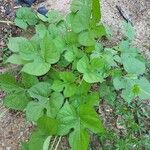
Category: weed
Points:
column 60, row 65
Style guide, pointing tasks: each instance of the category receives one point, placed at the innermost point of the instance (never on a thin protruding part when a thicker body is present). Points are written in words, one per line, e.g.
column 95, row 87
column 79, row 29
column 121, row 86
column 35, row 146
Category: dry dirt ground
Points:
column 137, row 11
column 13, row 128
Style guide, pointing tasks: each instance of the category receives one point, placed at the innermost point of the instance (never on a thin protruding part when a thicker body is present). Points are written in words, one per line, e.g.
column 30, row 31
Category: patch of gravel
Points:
column 13, row 129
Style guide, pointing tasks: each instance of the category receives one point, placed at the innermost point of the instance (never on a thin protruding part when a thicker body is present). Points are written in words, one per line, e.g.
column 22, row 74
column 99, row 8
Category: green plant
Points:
column 65, row 54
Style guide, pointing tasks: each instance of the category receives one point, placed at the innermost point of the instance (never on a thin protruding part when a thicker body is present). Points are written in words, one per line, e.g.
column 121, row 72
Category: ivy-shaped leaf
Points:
column 92, row 71
column 137, row 67
column 53, row 16
column 81, row 94
column 28, row 80
column 86, row 38
column 65, row 84
column 47, row 125
column 67, row 118
column 16, row 97
column 128, row 30
column 24, row 17
column 81, row 20
column 73, row 54
column 8, row 83
column 90, row 119
column 37, row 62
column 35, row 110
column 37, row 140
column 144, row 88
column 16, row 101
column 79, row 139
column 55, row 103
column 40, row 91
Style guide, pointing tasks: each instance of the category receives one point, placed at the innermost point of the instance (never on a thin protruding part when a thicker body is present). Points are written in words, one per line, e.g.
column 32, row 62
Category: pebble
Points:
column 8, row 148
column 30, row 2
column 2, row 9
column 27, row 2
column 8, row 10
column 42, row 10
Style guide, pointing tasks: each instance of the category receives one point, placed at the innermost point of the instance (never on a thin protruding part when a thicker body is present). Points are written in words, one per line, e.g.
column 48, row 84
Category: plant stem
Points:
column 58, row 143
column 7, row 22
column 46, row 143
column 53, row 143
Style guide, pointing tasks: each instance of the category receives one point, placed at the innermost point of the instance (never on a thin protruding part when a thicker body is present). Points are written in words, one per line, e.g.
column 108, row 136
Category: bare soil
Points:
column 13, row 127
column 137, row 11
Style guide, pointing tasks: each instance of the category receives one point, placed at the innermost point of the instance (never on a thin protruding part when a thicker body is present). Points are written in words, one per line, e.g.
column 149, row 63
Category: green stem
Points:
column 58, row 143
column 81, row 81
column 53, row 143
column 7, row 22
column 46, row 143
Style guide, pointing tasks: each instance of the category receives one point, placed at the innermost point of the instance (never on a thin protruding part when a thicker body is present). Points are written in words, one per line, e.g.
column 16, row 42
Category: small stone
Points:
column 21, row 133
column 28, row 2
column 42, row 10
column 8, row 148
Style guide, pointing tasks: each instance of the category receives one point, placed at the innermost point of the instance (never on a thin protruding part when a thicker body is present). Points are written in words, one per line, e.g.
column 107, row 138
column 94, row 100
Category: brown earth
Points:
column 13, row 127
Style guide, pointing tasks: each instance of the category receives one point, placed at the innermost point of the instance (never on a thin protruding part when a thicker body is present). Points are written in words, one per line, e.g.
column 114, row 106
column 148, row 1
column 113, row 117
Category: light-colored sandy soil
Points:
column 139, row 14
